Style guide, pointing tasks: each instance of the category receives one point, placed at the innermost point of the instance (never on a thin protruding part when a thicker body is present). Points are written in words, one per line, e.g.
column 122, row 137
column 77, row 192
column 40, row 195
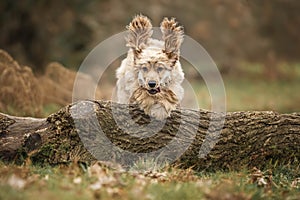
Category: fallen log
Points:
column 89, row 130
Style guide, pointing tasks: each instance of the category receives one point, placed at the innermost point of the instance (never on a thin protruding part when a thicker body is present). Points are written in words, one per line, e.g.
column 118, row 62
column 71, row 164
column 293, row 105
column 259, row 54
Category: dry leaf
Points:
column 296, row 183
column 16, row 182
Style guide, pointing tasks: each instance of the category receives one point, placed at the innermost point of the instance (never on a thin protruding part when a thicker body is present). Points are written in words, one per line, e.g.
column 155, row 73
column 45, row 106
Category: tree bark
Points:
column 89, row 130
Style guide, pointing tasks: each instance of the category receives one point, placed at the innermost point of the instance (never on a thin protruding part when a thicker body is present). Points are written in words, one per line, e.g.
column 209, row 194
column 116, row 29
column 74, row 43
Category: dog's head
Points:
column 154, row 60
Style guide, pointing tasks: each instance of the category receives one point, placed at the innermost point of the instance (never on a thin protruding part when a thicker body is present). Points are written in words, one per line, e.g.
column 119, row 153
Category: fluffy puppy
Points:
column 151, row 74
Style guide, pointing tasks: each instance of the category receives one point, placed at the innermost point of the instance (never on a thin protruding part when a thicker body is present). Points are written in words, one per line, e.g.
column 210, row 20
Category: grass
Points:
column 279, row 96
column 49, row 109
column 101, row 182
column 243, row 94
column 250, row 89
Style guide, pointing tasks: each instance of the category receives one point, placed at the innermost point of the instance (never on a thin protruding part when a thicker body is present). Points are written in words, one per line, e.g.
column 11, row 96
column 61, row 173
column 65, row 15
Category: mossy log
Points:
column 189, row 138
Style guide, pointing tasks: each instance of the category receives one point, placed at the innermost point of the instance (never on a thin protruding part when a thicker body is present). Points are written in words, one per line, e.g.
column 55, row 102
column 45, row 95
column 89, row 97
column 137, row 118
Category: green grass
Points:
column 281, row 96
column 243, row 94
column 250, row 89
column 101, row 182
column 49, row 109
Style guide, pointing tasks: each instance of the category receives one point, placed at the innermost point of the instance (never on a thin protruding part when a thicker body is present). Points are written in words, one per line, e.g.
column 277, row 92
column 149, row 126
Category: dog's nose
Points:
column 152, row 83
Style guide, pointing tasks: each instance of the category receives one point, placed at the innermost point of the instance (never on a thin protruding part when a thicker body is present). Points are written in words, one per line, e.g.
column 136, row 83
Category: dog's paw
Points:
column 159, row 112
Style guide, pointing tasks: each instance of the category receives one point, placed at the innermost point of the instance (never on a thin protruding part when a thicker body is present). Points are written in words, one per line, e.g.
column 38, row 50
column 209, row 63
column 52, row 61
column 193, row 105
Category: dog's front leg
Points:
column 161, row 110
column 158, row 111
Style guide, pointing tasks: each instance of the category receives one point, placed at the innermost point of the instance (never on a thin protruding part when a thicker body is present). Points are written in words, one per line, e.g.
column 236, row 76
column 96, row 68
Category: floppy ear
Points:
column 172, row 35
column 140, row 30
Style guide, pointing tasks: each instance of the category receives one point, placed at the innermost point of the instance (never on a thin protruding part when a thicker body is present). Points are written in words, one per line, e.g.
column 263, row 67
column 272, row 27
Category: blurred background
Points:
column 255, row 44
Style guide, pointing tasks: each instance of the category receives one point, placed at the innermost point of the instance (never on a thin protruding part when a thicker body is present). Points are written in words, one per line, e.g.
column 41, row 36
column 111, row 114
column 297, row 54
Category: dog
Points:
column 151, row 74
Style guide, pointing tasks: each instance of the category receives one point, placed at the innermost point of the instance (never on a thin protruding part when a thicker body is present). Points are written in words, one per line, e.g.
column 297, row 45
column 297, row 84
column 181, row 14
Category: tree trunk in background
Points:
column 90, row 130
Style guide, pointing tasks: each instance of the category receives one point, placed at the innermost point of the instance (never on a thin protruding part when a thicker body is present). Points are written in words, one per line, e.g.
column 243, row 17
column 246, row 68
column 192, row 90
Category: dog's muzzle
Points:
column 152, row 84
column 154, row 91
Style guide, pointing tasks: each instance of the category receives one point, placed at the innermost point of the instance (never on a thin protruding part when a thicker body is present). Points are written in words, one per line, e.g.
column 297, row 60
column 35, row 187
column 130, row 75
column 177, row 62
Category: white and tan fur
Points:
column 151, row 75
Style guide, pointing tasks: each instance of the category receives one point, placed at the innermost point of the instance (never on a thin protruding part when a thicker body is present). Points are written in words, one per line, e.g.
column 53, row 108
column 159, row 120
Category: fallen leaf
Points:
column 77, row 180
column 96, row 186
column 16, row 182
column 296, row 183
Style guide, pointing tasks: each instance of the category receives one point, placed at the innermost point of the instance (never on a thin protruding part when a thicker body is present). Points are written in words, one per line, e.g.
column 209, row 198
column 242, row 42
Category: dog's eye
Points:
column 144, row 68
column 159, row 69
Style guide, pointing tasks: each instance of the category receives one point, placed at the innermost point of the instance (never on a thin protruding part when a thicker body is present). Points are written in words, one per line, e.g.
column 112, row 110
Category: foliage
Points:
column 37, row 33
column 278, row 20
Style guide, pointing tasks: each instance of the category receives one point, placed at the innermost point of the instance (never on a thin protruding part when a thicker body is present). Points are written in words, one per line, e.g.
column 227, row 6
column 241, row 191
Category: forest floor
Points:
column 101, row 181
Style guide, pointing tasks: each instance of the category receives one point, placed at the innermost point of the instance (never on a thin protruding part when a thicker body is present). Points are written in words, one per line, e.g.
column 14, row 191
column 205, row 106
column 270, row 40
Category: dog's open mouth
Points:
column 154, row 91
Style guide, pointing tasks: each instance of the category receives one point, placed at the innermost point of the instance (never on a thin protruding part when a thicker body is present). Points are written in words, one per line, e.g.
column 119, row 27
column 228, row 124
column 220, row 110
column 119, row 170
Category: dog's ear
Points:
column 140, row 30
column 172, row 35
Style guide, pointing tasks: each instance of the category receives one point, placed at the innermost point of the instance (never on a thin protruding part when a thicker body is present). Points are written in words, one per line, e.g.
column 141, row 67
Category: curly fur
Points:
column 156, row 105
column 151, row 75
column 173, row 37
column 140, row 30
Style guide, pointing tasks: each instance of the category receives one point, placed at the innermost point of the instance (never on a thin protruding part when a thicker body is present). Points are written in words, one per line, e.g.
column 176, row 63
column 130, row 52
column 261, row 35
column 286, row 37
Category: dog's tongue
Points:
column 154, row 91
